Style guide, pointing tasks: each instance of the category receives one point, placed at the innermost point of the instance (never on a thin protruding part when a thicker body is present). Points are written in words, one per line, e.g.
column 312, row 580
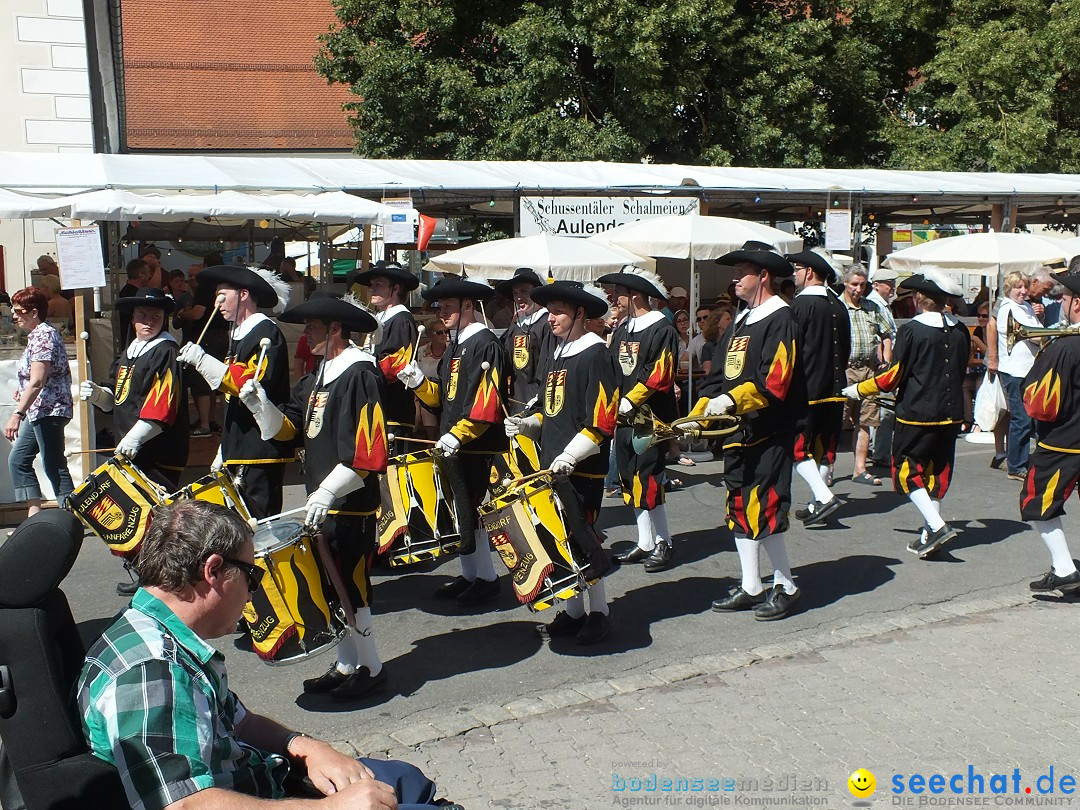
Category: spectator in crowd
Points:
column 871, row 348
column 151, row 254
column 192, row 318
column 428, row 359
column 287, row 270
column 1012, row 367
column 697, row 342
column 138, row 273
column 678, row 299
column 60, row 309
column 43, row 404
column 1039, row 286
column 882, row 292
column 976, row 366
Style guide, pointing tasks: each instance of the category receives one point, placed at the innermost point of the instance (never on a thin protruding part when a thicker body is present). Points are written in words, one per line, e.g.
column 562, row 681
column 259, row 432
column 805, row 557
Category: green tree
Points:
column 695, row 81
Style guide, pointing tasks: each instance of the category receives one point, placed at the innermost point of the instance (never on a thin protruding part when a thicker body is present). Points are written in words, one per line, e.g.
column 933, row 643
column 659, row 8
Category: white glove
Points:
column 625, row 406
column 411, row 376
column 447, row 445
column 563, row 464
column 141, row 432
column 718, row 406
column 218, row 464
column 96, row 395
column 528, row 426
column 852, row 392
column 211, row 369
column 338, row 483
column 267, row 416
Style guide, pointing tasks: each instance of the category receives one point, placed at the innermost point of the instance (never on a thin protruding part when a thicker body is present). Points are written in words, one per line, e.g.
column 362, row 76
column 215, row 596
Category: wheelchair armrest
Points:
column 7, row 693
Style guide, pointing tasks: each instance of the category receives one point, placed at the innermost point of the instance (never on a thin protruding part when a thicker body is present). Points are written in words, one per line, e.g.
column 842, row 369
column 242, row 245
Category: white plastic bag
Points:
column 990, row 403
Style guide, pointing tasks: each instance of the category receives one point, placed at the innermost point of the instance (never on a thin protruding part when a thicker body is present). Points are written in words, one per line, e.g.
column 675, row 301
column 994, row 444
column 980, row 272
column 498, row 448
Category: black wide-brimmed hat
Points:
column 933, row 283
column 452, row 287
column 634, row 278
column 388, row 270
column 258, row 281
column 762, row 255
column 1071, row 281
column 592, row 298
column 347, row 311
column 816, row 262
column 523, row 275
column 146, row 297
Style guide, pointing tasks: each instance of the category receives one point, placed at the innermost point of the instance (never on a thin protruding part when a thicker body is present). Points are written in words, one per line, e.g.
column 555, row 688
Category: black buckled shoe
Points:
column 778, row 605
column 935, row 540
column 359, row 684
column 127, row 588
column 480, row 591
column 596, row 628
column 816, row 511
column 661, row 558
column 327, row 682
column 634, row 555
column 562, row 625
column 1052, row 582
column 739, row 599
column 452, row 589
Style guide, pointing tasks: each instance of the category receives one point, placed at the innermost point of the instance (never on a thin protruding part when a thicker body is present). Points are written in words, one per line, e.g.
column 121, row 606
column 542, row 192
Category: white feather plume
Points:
column 598, row 292
column 946, row 283
column 279, row 285
column 647, row 275
column 376, row 336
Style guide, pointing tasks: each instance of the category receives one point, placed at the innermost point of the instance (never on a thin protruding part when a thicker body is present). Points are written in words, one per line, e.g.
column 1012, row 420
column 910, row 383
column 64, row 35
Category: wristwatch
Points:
column 291, row 737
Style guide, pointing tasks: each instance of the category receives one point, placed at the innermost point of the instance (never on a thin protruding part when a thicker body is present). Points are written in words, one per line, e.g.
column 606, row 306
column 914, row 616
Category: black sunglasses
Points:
column 253, row 573
column 440, row 332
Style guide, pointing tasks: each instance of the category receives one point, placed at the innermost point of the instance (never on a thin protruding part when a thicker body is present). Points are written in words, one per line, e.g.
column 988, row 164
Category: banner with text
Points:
column 586, row 216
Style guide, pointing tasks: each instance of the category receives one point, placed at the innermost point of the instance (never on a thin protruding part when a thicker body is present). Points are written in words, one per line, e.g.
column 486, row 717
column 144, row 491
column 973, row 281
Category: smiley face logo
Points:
column 861, row 783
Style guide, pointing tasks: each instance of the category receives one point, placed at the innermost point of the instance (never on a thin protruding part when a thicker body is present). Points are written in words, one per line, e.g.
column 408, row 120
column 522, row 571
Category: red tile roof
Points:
column 236, row 75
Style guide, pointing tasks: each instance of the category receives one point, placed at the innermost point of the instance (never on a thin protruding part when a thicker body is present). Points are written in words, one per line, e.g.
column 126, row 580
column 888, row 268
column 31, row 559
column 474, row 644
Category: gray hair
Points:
column 182, row 536
column 1074, row 264
column 1042, row 274
column 854, row 270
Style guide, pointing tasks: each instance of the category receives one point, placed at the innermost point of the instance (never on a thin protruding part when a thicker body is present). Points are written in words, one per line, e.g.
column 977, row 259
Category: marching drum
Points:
column 523, row 458
column 296, row 613
column 526, row 525
column 114, row 502
column 219, row 488
column 416, row 519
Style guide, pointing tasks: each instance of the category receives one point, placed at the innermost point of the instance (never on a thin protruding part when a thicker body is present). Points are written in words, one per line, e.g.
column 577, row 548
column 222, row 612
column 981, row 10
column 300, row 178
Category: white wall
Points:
column 45, row 96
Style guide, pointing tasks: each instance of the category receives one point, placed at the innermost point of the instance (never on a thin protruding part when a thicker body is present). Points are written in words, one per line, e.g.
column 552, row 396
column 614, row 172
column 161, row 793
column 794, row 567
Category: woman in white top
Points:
column 428, row 359
column 1012, row 367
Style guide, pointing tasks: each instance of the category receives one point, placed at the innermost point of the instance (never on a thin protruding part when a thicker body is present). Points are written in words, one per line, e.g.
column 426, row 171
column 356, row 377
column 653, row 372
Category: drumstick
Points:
column 220, row 299
column 266, row 520
column 264, row 344
column 524, row 478
column 416, row 346
column 70, row 453
column 392, row 437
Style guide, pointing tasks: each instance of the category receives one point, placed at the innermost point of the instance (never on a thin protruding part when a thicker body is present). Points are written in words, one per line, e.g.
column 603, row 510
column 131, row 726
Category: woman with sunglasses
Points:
column 428, row 358
column 43, row 404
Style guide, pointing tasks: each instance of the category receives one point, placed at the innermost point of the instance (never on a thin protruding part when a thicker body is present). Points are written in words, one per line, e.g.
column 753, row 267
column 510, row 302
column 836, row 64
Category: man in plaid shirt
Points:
column 155, row 699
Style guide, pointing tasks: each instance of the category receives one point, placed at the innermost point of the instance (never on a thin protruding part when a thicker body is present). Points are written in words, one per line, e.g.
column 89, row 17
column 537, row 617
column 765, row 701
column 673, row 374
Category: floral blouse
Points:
column 44, row 345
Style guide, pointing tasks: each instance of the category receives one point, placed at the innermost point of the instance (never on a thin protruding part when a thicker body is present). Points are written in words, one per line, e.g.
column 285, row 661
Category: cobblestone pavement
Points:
column 992, row 688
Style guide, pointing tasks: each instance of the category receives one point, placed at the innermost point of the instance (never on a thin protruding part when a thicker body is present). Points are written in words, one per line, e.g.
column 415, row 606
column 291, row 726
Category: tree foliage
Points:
column 943, row 84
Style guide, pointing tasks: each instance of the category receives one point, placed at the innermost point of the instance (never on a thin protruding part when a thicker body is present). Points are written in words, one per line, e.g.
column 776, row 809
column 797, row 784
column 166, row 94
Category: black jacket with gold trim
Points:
column 146, row 380
column 645, row 350
column 757, row 364
column 1052, row 395
column 929, row 362
column 579, row 393
column 824, row 342
column 240, row 440
column 526, row 346
column 469, row 399
column 336, row 412
column 394, row 352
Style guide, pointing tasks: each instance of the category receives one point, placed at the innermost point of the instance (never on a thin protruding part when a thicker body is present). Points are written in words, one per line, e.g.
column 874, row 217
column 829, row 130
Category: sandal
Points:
column 866, row 478
column 686, row 462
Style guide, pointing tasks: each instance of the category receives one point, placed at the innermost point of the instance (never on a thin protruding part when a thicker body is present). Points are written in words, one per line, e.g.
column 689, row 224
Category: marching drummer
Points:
column 529, row 339
column 337, row 413
column 240, row 292
column 645, row 347
column 390, row 284
column 573, row 418
column 145, row 392
column 756, row 375
column 469, row 396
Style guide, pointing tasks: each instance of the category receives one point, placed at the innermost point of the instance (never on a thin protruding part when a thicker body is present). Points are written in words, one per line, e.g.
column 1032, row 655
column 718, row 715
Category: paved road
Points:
column 453, row 672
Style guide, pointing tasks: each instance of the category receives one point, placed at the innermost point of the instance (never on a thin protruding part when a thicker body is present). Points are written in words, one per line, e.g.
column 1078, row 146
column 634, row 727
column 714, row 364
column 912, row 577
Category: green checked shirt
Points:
column 155, row 702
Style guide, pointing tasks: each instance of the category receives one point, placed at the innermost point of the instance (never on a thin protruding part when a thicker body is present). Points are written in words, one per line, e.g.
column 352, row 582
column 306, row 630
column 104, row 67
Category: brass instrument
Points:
column 1016, row 331
column 648, row 430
